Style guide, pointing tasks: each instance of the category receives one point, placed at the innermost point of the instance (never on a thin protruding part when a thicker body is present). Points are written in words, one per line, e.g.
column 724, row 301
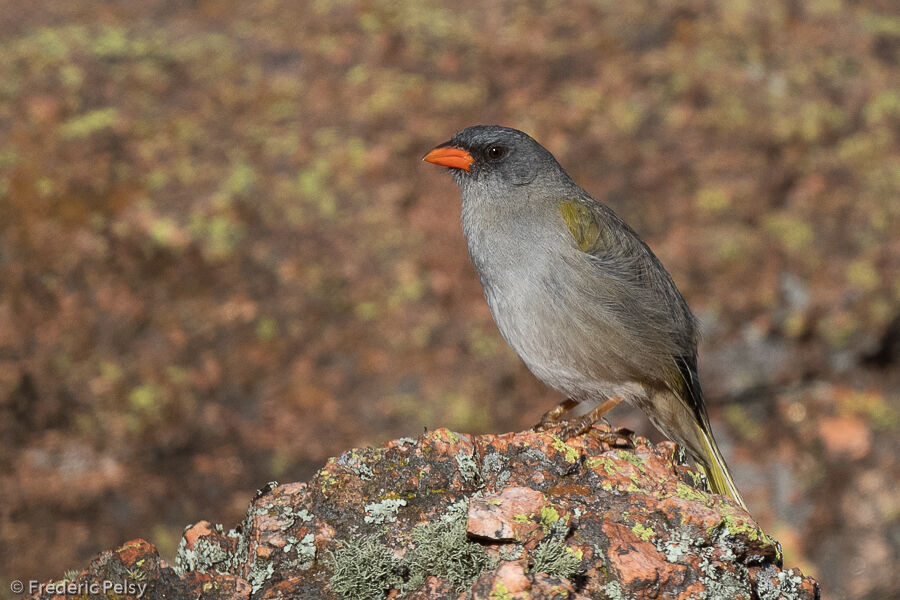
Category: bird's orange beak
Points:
column 450, row 156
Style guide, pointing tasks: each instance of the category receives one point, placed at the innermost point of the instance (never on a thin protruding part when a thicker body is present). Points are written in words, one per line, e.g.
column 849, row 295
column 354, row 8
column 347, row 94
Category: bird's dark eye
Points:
column 496, row 152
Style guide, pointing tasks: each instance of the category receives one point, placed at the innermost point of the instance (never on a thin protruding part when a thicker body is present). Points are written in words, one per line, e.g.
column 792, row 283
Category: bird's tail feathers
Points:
column 714, row 467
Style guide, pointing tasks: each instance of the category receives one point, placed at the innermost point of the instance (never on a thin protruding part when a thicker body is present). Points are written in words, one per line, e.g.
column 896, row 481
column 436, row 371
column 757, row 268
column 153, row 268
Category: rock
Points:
column 498, row 517
column 514, row 516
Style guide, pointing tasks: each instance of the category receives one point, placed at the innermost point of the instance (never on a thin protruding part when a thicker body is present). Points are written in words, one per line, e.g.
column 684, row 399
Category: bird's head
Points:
column 494, row 159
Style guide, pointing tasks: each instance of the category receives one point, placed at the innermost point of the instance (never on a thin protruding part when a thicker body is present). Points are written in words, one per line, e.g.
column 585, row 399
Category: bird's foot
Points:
column 566, row 430
column 554, row 417
column 617, row 438
column 620, row 438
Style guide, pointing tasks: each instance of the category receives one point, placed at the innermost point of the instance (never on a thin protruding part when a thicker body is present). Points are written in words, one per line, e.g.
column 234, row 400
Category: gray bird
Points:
column 577, row 293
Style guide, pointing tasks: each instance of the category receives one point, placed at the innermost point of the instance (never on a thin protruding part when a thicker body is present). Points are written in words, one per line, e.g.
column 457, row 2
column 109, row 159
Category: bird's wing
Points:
column 633, row 290
column 688, row 388
column 656, row 330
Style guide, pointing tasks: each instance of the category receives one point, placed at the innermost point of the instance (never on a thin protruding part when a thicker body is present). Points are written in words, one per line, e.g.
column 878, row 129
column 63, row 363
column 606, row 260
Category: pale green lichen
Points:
column 204, row 556
column 290, row 515
column 725, row 585
column 686, row 492
column 406, row 440
column 679, row 544
column 467, row 466
column 552, row 523
column 357, row 463
column 364, row 569
column 305, row 548
column 242, row 551
column 364, row 471
column 606, row 462
column 533, row 454
column 643, row 532
column 556, row 559
column 631, row 458
column 260, row 572
column 781, row 585
column 720, row 582
column 456, row 511
column 442, row 550
column 613, row 591
column 495, row 462
column 384, row 511
column 723, row 571
column 511, row 552
column 500, row 592
column 568, row 452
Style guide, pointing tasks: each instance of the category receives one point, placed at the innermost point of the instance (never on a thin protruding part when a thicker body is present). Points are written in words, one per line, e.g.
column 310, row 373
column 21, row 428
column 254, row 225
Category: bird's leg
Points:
column 552, row 417
column 580, row 425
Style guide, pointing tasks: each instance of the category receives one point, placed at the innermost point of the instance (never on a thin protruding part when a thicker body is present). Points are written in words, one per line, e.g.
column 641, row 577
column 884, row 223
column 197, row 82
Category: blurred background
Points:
column 222, row 260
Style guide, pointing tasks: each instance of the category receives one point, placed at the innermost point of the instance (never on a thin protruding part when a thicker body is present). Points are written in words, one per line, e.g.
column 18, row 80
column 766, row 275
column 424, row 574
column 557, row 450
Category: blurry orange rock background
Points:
column 222, row 260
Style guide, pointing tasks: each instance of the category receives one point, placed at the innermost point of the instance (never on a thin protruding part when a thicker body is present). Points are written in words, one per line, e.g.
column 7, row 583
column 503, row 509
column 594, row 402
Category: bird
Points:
column 578, row 295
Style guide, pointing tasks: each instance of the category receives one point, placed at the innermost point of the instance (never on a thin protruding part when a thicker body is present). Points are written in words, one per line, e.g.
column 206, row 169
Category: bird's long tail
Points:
column 714, row 467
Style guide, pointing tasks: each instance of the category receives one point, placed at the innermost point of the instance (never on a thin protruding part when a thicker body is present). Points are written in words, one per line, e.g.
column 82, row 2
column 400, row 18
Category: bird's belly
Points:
column 560, row 353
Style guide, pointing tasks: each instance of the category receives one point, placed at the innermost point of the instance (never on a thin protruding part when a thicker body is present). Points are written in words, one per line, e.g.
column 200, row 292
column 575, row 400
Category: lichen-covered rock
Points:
column 515, row 516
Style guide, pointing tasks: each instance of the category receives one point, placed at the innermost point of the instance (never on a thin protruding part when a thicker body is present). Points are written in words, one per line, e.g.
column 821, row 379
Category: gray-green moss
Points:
column 556, row 559
column 364, row 569
column 443, row 550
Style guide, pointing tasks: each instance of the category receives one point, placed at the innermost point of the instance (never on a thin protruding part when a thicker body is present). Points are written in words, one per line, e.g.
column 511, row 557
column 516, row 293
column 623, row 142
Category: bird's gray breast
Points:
column 522, row 263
